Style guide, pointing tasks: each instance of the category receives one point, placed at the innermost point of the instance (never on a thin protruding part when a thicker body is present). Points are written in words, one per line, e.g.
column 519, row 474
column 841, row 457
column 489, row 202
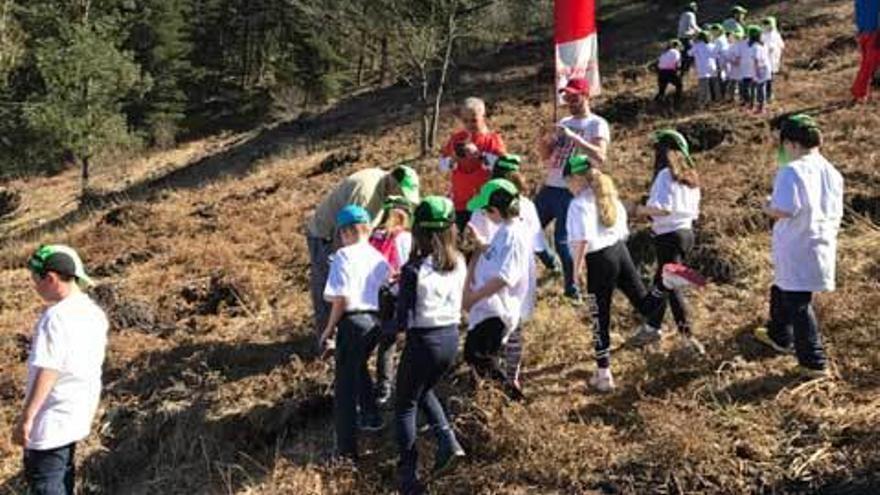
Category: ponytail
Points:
column 681, row 172
column 606, row 197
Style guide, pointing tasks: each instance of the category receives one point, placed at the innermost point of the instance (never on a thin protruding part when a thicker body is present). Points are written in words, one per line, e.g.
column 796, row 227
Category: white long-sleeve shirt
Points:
column 775, row 45
column 687, row 25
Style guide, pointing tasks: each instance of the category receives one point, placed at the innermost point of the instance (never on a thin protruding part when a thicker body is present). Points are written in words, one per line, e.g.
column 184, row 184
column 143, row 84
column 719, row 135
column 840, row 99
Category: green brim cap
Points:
column 800, row 121
column 508, row 163
column 481, row 200
column 675, row 140
column 739, row 9
column 716, row 28
column 60, row 259
column 408, row 180
column 435, row 213
column 770, row 21
column 398, row 202
column 754, row 30
column 576, row 165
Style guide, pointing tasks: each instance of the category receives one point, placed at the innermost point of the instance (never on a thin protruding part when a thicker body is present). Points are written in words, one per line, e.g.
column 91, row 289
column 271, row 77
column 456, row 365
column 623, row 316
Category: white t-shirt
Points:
column 687, row 25
column 805, row 245
column 681, row 201
column 721, row 47
column 669, row 60
column 763, row 66
column 583, row 224
column 485, row 230
column 705, row 60
column 356, row 273
column 592, row 128
column 507, row 258
column 736, row 55
column 775, row 46
column 70, row 338
column 438, row 299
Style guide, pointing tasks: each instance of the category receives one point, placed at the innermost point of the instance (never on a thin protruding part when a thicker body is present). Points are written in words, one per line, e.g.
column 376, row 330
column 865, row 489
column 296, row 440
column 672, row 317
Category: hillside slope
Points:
column 211, row 386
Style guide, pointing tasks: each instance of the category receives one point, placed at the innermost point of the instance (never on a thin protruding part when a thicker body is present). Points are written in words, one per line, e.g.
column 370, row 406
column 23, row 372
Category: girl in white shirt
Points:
column 738, row 45
column 706, row 63
column 669, row 72
column 673, row 205
column 721, row 46
column 429, row 309
column 756, row 61
column 775, row 46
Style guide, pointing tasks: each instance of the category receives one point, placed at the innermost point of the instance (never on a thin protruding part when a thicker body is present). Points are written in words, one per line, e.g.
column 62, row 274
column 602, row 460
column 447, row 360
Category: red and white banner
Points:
column 577, row 42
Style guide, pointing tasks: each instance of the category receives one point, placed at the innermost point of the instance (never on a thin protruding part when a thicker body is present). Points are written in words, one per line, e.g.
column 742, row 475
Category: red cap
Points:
column 577, row 86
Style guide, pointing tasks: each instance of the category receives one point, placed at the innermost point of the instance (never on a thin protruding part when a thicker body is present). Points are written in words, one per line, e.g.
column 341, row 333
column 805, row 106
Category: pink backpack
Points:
column 385, row 243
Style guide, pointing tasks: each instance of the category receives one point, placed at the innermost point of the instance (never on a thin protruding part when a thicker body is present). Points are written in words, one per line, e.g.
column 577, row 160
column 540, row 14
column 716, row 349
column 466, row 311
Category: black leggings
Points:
column 664, row 79
column 672, row 247
column 482, row 348
column 608, row 269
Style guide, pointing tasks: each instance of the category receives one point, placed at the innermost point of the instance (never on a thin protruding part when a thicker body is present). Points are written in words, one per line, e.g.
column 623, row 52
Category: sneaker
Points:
column 372, row 424
column 812, row 373
column 574, row 297
column 762, row 335
column 694, row 346
column 645, row 335
column 678, row 276
column 602, row 380
column 446, row 461
column 514, row 391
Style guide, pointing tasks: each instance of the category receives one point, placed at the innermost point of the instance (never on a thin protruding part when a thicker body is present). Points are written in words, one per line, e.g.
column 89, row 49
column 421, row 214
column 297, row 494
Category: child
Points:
column 706, row 63
column 807, row 205
column 668, row 72
column 673, row 205
column 738, row 58
column 393, row 239
column 597, row 230
column 737, row 19
column 757, row 65
column 721, row 47
column 429, row 309
column 64, row 371
column 498, row 279
column 775, row 46
column 356, row 274
column 507, row 167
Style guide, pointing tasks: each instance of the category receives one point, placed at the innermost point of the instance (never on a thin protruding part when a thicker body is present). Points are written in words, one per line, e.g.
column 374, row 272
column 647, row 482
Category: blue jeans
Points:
column 356, row 338
column 552, row 205
column 428, row 354
column 792, row 320
column 50, row 472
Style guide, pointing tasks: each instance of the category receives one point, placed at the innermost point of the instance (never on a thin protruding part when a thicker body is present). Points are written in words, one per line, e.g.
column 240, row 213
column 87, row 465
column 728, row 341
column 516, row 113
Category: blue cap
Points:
column 352, row 215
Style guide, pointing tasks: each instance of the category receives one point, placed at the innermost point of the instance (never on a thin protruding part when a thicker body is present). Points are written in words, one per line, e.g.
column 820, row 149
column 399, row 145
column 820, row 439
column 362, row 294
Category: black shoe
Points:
column 371, row 424
column 447, row 458
column 514, row 391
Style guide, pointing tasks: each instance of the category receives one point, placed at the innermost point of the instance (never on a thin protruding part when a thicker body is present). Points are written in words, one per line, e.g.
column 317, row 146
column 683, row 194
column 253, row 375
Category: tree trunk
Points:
column 444, row 70
column 424, row 98
column 384, row 62
column 84, row 191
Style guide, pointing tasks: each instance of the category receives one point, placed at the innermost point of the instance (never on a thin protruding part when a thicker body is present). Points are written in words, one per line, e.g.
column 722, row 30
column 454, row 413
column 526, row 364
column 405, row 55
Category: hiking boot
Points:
column 762, row 335
column 693, row 345
column 645, row 335
column 602, row 380
column 678, row 276
column 371, row 424
column 812, row 373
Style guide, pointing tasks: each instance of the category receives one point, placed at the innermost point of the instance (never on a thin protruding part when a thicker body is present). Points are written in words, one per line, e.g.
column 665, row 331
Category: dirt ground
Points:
column 211, row 385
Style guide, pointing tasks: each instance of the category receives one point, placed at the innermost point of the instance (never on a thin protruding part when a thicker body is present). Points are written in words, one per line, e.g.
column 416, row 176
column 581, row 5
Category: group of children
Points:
column 728, row 59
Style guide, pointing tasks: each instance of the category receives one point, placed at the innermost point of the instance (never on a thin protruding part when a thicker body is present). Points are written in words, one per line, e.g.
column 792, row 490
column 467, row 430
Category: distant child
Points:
column 721, row 47
column 757, row 65
column 393, row 239
column 737, row 19
column 706, row 63
column 64, row 371
column 357, row 272
column 429, row 310
column 507, row 167
column 807, row 205
column 597, row 229
column 498, row 279
column 668, row 71
column 743, row 66
column 775, row 46
column 673, row 206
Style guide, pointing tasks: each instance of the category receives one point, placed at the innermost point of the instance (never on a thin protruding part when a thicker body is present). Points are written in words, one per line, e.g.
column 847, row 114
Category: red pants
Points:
column 868, row 44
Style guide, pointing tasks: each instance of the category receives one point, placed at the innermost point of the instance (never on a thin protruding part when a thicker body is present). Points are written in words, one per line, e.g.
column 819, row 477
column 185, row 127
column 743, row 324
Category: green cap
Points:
column 716, row 28
column 435, row 213
column 676, row 140
column 398, row 202
column 493, row 192
column 738, row 31
column 754, row 30
column 674, row 43
column 770, row 22
column 508, row 163
column 60, row 259
column 408, row 180
column 800, row 121
column 576, row 165
column 739, row 9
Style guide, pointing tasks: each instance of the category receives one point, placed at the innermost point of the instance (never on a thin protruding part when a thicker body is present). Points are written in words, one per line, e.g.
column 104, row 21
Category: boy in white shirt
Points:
column 64, row 371
column 807, row 205
column 757, row 66
column 721, row 46
column 737, row 45
column 669, row 72
column 706, row 63
column 357, row 272
column 775, row 46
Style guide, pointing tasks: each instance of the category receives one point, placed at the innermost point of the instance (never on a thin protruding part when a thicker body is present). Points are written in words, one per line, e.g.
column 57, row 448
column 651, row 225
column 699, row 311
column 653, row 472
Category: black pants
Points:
column 672, row 248
column 482, row 347
column 50, row 472
column 428, row 354
column 792, row 319
column 686, row 59
column 608, row 269
column 664, row 79
column 357, row 337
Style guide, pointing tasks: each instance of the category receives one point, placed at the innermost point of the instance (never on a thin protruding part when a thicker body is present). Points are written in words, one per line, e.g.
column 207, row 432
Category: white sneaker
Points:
column 644, row 335
column 602, row 380
column 693, row 345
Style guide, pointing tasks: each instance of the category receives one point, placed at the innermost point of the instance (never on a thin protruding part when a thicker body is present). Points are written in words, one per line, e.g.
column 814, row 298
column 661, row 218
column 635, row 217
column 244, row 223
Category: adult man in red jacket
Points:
column 868, row 24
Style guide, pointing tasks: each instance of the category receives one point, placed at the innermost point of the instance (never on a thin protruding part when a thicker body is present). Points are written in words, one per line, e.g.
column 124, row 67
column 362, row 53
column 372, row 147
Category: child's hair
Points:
column 516, row 177
column 606, row 196
column 801, row 129
column 507, row 205
column 703, row 36
column 754, row 34
column 394, row 219
column 440, row 244
column 674, row 160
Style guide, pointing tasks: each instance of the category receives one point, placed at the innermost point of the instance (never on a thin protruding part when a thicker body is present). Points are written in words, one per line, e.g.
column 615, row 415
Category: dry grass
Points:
column 211, row 388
